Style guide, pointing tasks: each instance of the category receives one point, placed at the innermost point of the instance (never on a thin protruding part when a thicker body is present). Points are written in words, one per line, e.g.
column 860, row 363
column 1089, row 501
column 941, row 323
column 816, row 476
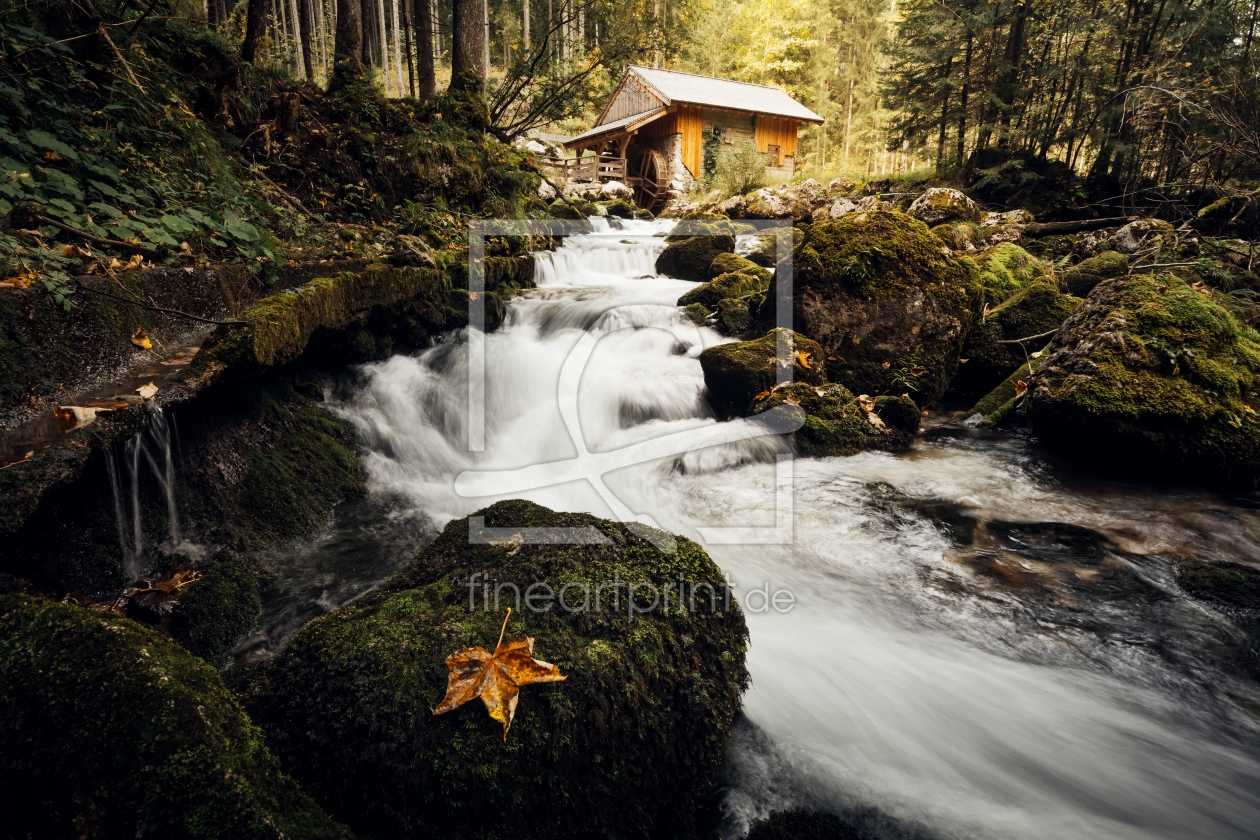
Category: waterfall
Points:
column 910, row 681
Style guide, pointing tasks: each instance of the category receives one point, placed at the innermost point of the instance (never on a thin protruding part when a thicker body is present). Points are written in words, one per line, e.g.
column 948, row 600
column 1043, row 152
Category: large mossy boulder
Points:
column 1085, row 275
column 736, row 373
column 835, row 423
column 882, row 297
column 999, row 404
column 991, row 349
column 720, row 288
column 1005, row 269
column 691, row 257
column 942, row 204
column 733, row 263
column 1152, row 375
column 110, row 730
column 625, row 747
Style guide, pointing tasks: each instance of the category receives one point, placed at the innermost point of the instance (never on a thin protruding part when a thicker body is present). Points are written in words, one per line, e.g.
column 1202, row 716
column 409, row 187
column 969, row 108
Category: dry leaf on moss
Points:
column 495, row 678
column 147, row 391
column 141, row 339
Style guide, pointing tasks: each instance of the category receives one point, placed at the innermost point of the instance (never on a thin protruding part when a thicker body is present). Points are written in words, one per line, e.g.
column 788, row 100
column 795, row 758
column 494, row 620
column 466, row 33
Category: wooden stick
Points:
column 1053, row 228
column 504, row 630
column 142, row 305
column 293, row 202
column 118, row 55
column 1030, row 337
column 110, row 243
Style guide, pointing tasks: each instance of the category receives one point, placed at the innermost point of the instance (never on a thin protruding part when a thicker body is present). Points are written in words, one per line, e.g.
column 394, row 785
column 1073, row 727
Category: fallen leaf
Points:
column 820, row 392
column 876, row 422
column 1036, row 355
column 51, row 156
column 134, row 262
column 867, row 403
column 79, row 414
column 963, row 361
column 141, row 339
column 472, row 295
column 146, row 391
column 924, row 410
column 184, row 250
column 495, row 678
column 177, row 576
column 75, row 252
column 1161, row 289
column 791, row 401
column 802, row 358
column 886, row 365
column 1020, row 387
column 761, row 396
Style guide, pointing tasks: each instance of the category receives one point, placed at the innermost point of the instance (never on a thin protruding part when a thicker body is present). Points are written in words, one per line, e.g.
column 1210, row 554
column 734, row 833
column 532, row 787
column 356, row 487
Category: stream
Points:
column 984, row 642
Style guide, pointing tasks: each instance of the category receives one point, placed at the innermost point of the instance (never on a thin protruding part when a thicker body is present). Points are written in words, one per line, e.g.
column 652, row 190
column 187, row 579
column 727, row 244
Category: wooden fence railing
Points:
column 591, row 169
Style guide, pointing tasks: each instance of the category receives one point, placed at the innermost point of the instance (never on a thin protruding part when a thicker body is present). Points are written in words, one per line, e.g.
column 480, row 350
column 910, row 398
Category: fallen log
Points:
column 1055, row 228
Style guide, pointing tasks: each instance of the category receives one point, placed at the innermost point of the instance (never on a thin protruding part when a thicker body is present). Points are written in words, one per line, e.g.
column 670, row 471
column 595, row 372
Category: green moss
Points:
column 1154, row 375
column 880, row 294
column 698, row 313
column 1229, row 584
column 1005, row 390
column 1087, row 274
column 690, row 258
column 291, row 486
column 107, row 729
column 1005, row 269
column 280, row 327
column 217, row 610
column 624, row 747
column 726, row 286
column 733, row 263
column 735, row 373
column 620, row 208
column 834, row 422
column 732, row 316
column 1036, row 309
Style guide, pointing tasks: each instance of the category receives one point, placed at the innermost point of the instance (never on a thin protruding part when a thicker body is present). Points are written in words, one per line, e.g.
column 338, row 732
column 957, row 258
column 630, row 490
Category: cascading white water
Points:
column 905, row 680
column 154, row 445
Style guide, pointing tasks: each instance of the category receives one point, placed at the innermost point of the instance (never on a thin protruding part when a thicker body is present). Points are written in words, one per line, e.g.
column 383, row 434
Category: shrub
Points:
column 741, row 169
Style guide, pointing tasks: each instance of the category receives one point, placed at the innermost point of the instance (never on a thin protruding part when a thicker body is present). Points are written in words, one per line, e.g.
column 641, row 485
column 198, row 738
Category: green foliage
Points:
column 711, row 143
column 740, row 169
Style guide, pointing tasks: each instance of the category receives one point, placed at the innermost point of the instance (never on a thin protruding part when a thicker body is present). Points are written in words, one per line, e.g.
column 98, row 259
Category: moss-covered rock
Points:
column 623, row 747
column 736, row 373
column 733, row 263
column 1087, row 274
column 620, row 208
column 1228, row 584
column 107, row 729
column 1005, row 392
column 690, row 258
column 834, row 422
column 1038, row 308
column 881, row 296
column 732, row 316
column 1005, row 269
column 719, row 288
column 1152, row 375
column 573, row 209
column 697, row 313
column 942, row 204
column 217, row 610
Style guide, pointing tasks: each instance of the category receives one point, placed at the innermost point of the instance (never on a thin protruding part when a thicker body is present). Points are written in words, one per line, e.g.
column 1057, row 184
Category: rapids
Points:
column 985, row 643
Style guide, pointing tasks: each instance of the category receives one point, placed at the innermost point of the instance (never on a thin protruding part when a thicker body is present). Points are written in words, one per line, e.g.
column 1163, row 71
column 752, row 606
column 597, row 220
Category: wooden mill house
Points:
column 650, row 134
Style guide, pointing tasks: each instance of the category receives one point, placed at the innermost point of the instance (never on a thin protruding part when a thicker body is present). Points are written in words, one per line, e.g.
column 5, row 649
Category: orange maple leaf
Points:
column 761, row 396
column 802, row 358
column 496, row 678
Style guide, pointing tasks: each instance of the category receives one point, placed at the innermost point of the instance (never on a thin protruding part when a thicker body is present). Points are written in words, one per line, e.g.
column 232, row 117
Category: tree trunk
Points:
column 302, row 11
column 283, row 17
column 437, row 31
column 485, row 42
column 940, row 142
column 962, row 103
column 398, row 42
column 426, row 78
column 848, row 122
column 525, row 28
column 409, row 17
column 255, row 24
column 348, row 42
column 384, row 42
column 323, row 36
column 468, row 41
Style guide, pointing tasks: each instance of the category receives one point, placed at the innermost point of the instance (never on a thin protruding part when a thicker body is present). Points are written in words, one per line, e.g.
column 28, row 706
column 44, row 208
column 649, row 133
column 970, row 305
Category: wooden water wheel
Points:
column 649, row 178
